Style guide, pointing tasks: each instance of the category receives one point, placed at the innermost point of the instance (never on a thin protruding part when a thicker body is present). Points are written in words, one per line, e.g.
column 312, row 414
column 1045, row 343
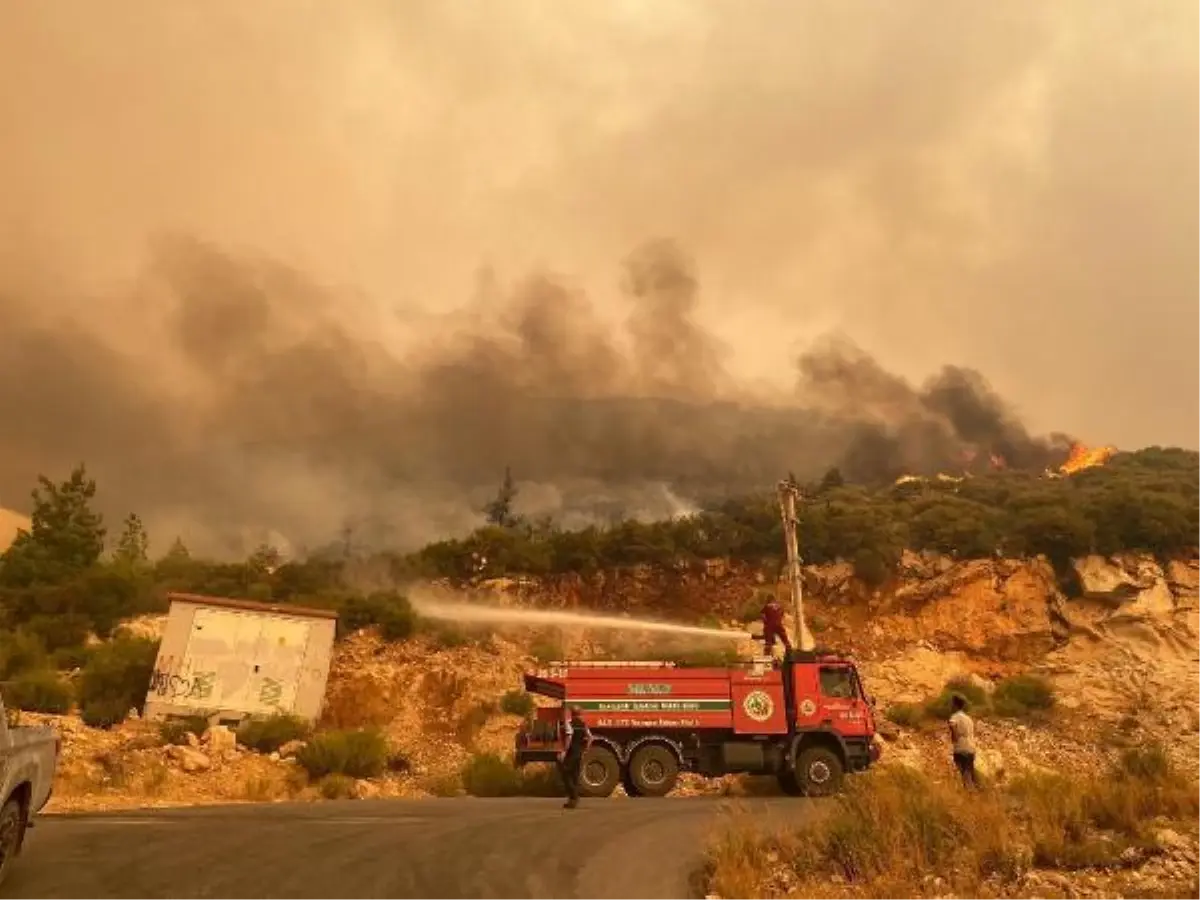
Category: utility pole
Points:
column 788, row 492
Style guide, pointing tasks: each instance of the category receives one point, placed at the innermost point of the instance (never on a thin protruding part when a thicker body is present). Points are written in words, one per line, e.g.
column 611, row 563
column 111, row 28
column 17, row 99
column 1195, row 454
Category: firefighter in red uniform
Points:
column 772, row 619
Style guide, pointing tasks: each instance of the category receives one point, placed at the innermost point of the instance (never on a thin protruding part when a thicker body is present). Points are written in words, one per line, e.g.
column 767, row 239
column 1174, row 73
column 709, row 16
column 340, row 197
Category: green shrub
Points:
column 1022, row 696
column 391, row 612
column 487, row 775
column 359, row 754
column 516, row 703
column 39, row 691
column 268, row 734
column 103, row 712
column 175, row 730
column 70, row 658
column 907, row 715
column 20, row 651
column 977, row 699
column 116, row 679
column 336, row 786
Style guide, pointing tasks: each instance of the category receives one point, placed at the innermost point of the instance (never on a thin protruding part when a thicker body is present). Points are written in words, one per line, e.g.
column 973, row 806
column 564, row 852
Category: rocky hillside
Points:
column 1121, row 656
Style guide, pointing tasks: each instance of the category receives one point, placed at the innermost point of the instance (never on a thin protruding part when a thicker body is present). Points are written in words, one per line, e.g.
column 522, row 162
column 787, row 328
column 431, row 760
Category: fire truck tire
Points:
column 788, row 783
column 599, row 772
column 653, row 770
column 631, row 789
column 819, row 772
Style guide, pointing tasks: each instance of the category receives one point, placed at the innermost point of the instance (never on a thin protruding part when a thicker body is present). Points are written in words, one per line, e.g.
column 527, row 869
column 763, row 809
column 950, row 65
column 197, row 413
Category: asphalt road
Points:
column 522, row 847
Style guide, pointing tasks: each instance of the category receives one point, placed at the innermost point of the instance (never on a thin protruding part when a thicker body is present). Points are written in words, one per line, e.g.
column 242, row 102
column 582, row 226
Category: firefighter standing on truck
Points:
column 772, row 620
column 577, row 737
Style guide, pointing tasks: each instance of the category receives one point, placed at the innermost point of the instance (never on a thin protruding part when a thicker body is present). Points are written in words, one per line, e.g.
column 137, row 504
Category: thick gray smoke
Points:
column 277, row 269
column 286, row 418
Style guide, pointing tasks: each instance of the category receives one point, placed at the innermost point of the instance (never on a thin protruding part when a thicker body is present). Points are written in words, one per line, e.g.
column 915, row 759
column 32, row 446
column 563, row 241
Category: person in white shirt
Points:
column 962, row 738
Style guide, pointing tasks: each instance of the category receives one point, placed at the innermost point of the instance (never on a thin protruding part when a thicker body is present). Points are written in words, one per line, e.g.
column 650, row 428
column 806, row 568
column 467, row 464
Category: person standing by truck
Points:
column 577, row 738
column 962, row 739
column 772, row 620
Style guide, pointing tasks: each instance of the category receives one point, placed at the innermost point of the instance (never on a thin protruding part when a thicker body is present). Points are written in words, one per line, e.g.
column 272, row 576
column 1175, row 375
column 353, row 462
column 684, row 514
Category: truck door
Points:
column 843, row 706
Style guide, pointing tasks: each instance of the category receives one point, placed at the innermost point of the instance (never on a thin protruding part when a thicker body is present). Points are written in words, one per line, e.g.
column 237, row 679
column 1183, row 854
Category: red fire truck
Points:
column 805, row 719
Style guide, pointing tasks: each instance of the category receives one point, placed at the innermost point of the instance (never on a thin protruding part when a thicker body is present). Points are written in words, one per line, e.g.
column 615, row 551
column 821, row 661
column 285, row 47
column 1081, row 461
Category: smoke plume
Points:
column 640, row 254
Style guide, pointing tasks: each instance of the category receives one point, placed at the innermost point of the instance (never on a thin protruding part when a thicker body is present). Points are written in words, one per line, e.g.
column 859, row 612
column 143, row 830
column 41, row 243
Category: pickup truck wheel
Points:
column 653, row 770
column 819, row 771
column 599, row 772
column 12, row 828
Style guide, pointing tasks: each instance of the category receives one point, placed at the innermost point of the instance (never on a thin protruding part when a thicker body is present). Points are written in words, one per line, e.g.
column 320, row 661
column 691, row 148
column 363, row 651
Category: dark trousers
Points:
column 569, row 768
column 769, row 637
column 965, row 763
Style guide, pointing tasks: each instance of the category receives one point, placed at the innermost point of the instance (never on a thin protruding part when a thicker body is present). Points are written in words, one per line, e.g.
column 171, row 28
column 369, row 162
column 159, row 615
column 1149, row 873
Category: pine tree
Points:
column 499, row 511
column 133, row 546
column 65, row 537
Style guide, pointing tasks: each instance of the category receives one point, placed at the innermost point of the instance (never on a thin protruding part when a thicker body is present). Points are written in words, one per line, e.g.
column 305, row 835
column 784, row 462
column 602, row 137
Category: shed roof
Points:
column 283, row 609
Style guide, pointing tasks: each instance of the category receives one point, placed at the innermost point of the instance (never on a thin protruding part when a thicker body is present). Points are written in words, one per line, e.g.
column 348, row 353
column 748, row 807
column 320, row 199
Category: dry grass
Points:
column 154, row 779
column 895, row 826
column 275, row 785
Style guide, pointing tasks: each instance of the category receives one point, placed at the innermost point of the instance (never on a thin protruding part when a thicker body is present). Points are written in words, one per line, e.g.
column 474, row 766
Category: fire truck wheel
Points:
column 819, row 771
column 599, row 772
column 653, row 770
column 631, row 789
column 788, row 783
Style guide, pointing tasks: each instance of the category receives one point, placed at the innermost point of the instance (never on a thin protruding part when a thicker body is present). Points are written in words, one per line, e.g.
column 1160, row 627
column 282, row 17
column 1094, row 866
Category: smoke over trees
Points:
column 266, row 411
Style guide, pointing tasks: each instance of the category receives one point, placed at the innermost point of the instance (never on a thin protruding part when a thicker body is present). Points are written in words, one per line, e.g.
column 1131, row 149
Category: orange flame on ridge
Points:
column 1082, row 457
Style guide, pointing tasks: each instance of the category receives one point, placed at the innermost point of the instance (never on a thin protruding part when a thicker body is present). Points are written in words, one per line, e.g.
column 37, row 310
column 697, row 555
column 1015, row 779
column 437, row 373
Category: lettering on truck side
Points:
column 649, row 689
column 653, row 706
column 647, row 723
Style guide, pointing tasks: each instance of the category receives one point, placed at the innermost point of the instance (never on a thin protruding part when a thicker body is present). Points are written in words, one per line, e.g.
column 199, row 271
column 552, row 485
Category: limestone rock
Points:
column 290, row 749
column 220, row 740
column 1102, row 579
column 189, row 759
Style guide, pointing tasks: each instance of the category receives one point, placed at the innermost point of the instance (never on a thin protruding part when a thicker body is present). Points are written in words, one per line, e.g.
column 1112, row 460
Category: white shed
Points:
column 229, row 659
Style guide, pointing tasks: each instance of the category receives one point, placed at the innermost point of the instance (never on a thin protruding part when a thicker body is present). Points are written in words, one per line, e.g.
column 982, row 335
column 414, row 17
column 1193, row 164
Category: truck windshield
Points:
column 837, row 682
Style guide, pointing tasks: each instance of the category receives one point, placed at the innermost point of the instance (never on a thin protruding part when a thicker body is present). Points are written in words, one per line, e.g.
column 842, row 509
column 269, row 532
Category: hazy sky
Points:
column 1010, row 187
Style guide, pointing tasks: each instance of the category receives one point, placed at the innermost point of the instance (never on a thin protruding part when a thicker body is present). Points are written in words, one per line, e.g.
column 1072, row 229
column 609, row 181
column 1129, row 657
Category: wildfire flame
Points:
column 1082, row 457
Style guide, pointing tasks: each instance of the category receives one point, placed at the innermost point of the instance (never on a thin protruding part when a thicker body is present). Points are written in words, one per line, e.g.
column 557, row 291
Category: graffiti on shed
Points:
column 238, row 658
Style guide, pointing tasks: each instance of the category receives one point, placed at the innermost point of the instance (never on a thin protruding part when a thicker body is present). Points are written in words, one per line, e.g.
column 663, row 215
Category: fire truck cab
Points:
column 805, row 719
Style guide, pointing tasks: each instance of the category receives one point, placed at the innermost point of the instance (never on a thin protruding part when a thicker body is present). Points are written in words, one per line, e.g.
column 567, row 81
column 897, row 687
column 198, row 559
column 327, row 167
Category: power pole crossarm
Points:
column 787, row 507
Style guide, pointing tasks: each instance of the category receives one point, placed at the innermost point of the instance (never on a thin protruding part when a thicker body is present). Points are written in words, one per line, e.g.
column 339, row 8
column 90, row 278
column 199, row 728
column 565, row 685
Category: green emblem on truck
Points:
column 758, row 706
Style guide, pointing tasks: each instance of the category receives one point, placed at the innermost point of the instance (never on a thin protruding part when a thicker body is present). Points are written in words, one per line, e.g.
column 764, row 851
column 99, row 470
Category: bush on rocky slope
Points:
column 115, row 680
column 268, row 734
column 359, row 754
column 39, row 691
column 1023, row 696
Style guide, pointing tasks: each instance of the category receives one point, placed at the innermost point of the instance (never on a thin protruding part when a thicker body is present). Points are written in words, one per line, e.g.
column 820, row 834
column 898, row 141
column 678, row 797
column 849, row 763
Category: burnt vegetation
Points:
column 59, row 583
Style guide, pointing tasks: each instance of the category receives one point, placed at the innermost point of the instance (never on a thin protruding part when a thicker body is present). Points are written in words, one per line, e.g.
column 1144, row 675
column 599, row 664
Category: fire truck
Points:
column 804, row 719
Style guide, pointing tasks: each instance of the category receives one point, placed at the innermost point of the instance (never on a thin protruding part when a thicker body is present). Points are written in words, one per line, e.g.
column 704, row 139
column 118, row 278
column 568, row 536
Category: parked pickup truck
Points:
column 28, row 758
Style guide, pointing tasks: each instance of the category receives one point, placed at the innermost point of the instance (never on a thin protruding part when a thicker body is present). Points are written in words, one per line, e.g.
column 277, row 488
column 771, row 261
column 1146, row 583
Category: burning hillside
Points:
column 1083, row 457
